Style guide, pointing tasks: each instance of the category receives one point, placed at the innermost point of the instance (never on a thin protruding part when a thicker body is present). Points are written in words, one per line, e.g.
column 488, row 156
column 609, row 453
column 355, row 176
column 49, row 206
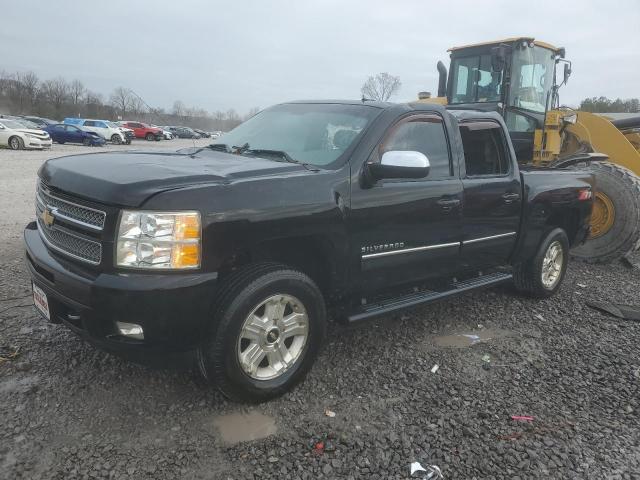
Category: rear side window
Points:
column 485, row 150
column 424, row 134
column 89, row 123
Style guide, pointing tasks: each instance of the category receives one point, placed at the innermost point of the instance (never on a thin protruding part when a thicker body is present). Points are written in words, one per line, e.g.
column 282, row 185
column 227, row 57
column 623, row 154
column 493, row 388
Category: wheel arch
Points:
column 315, row 255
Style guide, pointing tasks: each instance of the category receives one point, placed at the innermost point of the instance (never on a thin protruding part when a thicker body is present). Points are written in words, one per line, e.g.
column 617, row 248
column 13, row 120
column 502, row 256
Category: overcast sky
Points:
column 240, row 54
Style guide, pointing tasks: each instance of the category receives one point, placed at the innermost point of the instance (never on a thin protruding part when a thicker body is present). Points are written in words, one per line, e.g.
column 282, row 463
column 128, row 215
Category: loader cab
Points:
column 514, row 77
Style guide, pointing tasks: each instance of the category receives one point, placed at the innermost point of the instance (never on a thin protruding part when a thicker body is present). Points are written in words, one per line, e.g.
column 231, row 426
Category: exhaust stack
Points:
column 442, row 80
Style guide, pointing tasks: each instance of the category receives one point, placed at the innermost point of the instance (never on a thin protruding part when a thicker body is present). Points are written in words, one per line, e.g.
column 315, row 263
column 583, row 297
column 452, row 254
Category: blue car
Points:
column 62, row 133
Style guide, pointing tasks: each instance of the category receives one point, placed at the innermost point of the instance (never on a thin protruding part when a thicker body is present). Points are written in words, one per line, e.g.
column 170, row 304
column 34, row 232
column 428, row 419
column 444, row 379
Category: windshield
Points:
column 531, row 78
column 113, row 125
column 473, row 81
column 309, row 133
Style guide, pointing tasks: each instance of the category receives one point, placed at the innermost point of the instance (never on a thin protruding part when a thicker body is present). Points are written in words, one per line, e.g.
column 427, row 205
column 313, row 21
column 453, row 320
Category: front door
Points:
column 405, row 230
column 492, row 195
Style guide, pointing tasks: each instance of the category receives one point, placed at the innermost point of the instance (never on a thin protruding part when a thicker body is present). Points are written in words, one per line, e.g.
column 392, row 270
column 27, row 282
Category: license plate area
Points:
column 41, row 301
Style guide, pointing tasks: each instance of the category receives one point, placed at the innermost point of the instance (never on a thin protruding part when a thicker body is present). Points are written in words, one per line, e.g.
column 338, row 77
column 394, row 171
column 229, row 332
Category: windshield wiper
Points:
column 273, row 153
column 280, row 153
column 223, row 147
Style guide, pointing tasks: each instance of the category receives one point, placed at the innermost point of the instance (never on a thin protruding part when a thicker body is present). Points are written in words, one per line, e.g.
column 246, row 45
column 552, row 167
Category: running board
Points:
column 384, row 307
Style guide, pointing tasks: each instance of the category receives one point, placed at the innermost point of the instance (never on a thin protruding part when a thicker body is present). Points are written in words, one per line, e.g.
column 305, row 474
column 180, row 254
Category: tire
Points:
column 116, row 139
column 149, row 137
column 622, row 189
column 86, row 142
column 16, row 143
column 244, row 294
column 529, row 277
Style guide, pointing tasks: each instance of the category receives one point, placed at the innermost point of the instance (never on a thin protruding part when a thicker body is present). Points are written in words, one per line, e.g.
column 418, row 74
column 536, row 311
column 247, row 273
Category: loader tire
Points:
column 617, row 209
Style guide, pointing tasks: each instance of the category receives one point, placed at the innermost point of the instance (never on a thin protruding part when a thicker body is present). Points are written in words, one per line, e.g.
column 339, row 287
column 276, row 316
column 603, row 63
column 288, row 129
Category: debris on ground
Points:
column 539, row 317
column 8, row 353
column 581, row 285
column 522, row 418
column 326, row 443
column 435, row 368
column 329, row 413
column 627, row 312
column 432, row 472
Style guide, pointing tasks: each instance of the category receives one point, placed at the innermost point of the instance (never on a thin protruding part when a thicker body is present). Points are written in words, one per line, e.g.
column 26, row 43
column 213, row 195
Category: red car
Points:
column 142, row 130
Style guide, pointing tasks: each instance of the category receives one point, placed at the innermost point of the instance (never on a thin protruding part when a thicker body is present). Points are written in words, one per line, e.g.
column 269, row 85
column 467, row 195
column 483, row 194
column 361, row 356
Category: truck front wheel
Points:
column 266, row 331
column 542, row 275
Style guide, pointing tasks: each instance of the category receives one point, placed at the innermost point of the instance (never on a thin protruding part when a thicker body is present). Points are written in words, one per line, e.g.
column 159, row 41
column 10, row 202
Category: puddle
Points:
column 244, row 427
column 462, row 340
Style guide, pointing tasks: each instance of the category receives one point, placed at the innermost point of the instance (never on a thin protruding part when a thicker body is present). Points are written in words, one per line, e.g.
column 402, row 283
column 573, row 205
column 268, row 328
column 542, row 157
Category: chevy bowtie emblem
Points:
column 47, row 217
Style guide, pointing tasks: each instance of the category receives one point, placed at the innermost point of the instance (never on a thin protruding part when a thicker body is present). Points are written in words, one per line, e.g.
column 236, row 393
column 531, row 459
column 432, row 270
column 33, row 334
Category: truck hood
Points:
column 127, row 179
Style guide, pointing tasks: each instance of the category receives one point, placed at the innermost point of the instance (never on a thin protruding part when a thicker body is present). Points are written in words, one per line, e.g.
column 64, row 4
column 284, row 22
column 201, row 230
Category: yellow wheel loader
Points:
column 516, row 77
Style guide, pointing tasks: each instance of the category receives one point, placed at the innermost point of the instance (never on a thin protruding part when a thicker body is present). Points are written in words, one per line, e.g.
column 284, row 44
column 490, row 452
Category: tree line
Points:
column 23, row 93
column 605, row 105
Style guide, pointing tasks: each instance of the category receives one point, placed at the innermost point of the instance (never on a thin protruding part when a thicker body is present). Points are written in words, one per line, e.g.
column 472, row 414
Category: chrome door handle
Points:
column 448, row 203
column 510, row 197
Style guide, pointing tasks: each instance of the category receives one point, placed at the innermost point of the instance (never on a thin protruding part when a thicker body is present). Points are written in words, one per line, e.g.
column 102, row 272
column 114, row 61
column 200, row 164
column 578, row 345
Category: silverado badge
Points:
column 47, row 217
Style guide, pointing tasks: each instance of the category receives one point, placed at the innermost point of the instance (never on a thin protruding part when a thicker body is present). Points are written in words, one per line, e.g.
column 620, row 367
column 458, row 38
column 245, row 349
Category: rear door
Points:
column 492, row 195
column 403, row 230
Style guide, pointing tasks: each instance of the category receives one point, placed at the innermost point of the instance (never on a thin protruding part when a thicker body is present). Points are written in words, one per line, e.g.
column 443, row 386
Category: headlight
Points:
column 158, row 240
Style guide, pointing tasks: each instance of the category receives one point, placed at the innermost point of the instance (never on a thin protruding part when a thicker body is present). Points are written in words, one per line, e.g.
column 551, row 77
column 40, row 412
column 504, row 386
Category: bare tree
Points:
column 56, row 92
column 178, row 108
column 381, row 87
column 251, row 113
column 121, row 99
column 77, row 91
column 137, row 106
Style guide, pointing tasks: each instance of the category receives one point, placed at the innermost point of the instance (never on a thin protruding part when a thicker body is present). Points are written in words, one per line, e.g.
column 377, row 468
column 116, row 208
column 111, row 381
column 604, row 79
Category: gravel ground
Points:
column 69, row 411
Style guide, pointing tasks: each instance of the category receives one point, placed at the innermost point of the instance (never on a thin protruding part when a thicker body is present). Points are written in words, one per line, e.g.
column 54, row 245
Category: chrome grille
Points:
column 61, row 239
column 70, row 244
column 72, row 212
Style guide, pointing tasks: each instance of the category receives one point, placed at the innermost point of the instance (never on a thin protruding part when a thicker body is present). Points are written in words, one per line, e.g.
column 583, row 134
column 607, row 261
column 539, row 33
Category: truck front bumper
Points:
column 173, row 309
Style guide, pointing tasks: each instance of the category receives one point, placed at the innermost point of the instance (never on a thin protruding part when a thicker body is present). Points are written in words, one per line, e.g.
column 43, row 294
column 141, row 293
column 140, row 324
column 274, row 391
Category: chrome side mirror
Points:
column 401, row 164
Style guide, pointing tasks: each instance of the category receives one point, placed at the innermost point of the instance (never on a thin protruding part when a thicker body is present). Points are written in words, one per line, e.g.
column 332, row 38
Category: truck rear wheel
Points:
column 266, row 331
column 615, row 221
column 542, row 275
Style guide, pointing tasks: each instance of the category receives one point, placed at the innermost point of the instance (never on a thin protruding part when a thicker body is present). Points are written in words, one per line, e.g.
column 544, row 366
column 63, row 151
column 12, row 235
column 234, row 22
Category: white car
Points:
column 165, row 133
column 17, row 136
column 108, row 130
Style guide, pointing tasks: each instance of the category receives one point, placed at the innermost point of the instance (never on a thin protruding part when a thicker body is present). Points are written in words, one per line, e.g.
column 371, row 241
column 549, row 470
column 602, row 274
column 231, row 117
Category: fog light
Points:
column 130, row 330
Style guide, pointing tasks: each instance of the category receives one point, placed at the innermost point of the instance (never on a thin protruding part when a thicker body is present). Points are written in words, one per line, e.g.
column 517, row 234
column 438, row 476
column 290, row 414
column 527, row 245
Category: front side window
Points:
column 424, row 134
column 485, row 151
column 317, row 134
column 474, row 81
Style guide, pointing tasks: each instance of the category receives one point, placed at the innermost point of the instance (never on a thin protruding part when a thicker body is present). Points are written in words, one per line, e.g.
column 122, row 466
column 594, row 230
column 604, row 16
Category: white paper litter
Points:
column 435, row 368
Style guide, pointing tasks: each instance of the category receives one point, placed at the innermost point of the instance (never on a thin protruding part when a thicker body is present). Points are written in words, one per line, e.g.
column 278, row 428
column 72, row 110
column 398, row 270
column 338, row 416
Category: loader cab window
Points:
column 531, row 78
column 485, row 150
column 473, row 81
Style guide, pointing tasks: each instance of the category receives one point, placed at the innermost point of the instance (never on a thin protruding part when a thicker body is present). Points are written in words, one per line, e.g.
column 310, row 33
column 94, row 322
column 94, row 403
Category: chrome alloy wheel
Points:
column 272, row 337
column 552, row 265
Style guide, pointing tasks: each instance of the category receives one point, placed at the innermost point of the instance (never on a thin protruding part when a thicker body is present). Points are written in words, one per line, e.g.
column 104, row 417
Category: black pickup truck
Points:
column 234, row 253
